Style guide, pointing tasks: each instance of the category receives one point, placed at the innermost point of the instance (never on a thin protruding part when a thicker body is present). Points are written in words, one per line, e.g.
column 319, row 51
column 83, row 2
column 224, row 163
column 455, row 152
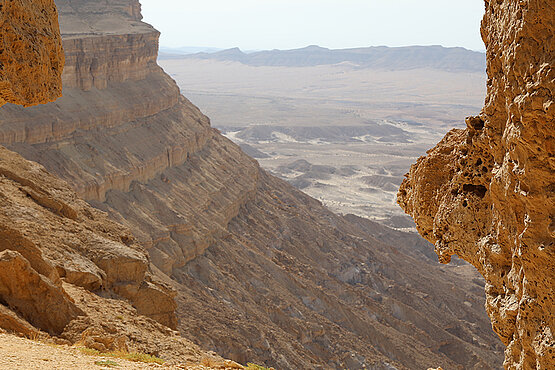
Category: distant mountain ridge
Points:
column 187, row 50
column 376, row 57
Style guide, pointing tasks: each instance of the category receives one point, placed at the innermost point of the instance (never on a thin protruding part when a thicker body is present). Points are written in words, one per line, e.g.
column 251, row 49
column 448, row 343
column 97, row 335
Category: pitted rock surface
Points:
column 487, row 193
column 31, row 54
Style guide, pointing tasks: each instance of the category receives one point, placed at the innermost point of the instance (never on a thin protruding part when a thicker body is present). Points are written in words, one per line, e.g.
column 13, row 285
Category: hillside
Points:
column 259, row 271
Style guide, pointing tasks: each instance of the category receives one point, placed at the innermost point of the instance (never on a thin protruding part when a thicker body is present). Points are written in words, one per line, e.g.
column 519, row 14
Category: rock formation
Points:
column 60, row 259
column 31, row 55
column 90, row 251
column 260, row 271
column 487, row 193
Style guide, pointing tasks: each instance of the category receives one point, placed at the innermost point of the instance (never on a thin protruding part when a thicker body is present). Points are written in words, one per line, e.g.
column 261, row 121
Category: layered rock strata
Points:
column 49, row 234
column 31, row 55
column 69, row 271
column 487, row 193
column 263, row 273
column 60, row 259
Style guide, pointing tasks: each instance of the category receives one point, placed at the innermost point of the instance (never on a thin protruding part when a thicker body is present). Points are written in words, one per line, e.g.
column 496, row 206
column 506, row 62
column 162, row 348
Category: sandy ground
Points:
column 25, row 354
column 20, row 353
column 296, row 104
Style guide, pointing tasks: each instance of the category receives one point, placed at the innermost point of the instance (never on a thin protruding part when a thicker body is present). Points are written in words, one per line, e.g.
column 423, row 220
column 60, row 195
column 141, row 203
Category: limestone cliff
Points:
column 60, row 259
column 31, row 55
column 487, row 193
column 53, row 237
column 261, row 271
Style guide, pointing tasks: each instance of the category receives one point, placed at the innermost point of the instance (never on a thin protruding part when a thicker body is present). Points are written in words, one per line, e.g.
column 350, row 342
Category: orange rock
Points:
column 487, row 194
column 264, row 273
column 42, row 303
column 31, row 54
column 11, row 322
column 61, row 236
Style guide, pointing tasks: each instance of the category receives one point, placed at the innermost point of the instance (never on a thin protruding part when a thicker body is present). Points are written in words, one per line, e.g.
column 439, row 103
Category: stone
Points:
column 31, row 54
column 54, row 248
column 487, row 193
column 11, row 322
column 42, row 303
column 63, row 237
column 258, row 271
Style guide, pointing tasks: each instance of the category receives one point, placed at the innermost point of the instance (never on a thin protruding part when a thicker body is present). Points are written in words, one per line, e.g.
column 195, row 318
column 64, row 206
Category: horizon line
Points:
column 248, row 51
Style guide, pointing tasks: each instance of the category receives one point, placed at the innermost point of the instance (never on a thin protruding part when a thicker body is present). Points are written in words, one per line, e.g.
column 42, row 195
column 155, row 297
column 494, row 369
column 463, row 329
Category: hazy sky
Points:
column 287, row 24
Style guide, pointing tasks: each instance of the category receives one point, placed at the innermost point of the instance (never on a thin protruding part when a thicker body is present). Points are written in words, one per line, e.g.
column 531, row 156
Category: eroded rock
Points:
column 11, row 322
column 31, row 54
column 55, row 249
column 487, row 193
column 62, row 237
column 264, row 273
column 42, row 303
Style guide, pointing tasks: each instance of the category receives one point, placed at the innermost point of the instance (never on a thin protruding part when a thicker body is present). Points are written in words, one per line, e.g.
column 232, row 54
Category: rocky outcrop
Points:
column 11, row 322
column 96, row 61
column 42, row 303
column 487, row 193
column 68, row 270
column 120, row 124
column 31, row 55
column 61, row 237
column 64, row 267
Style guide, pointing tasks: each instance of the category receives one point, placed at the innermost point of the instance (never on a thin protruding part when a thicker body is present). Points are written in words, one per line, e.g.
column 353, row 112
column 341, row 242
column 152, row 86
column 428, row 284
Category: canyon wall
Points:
column 69, row 273
column 62, row 262
column 260, row 271
column 487, row 193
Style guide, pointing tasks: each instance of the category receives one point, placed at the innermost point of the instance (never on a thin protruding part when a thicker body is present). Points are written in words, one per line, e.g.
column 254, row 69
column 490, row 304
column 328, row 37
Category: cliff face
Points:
column 487, row 193
column 54, row 236
column 60, row 259
column 261, row 272
column 122, row 122
column 67, row 270
column 31, row 55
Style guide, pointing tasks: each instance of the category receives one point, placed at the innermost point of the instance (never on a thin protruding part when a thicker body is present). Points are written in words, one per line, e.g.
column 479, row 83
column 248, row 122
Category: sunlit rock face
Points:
column 46, row 233
column 31, row 55
column 120, row 124
column 487, row 193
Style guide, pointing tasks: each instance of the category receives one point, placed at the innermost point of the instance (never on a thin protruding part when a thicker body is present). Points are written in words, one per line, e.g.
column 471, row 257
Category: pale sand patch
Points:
column 25, row 354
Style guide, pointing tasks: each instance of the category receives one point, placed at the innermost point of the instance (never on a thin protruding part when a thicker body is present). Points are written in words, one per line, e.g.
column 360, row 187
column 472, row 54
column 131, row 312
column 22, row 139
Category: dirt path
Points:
column 19, row 353
column 25, row 354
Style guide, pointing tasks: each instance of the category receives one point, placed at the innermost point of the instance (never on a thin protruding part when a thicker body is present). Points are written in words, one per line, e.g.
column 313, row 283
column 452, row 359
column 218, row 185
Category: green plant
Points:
column 89, row 351
column 251, row 366
column 131, row 356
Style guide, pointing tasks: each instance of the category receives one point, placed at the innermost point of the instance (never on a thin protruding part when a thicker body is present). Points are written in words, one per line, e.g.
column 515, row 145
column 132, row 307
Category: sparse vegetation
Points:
column 216, row 363
column 251, row 366
column 107, row 363
column 131, row 356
